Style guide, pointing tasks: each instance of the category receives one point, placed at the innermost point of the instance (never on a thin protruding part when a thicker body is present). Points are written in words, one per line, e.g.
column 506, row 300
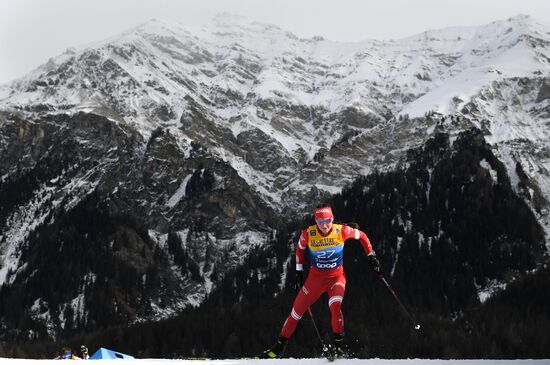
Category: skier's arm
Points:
column 300, row 250
column 300, row 253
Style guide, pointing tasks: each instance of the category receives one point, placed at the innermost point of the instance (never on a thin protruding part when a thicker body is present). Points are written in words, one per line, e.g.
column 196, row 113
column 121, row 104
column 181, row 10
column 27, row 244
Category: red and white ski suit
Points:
column 326, row 274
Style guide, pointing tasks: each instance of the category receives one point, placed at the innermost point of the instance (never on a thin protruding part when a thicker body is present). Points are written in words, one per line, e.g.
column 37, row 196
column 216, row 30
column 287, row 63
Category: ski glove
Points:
column 374, row 263
column 299, row 280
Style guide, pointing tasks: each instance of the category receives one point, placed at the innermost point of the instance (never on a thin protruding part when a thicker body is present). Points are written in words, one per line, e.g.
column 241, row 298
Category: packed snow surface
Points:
column 294, row 361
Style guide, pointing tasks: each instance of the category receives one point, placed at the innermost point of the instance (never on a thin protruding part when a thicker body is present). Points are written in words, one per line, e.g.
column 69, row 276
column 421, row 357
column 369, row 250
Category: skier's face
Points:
column 324, row 225
column 323, row 217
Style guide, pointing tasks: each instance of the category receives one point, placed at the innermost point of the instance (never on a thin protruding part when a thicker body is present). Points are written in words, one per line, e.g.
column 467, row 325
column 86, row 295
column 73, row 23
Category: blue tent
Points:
column 104, row 354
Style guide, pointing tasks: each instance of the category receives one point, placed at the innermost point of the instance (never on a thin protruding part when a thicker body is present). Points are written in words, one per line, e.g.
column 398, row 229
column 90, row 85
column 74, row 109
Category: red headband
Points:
column 323, row 213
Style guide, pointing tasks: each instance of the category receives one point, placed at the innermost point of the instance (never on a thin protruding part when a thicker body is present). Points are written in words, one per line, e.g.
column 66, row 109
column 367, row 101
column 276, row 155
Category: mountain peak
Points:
column 159, row 26
column 233, row 23
column 521, row 24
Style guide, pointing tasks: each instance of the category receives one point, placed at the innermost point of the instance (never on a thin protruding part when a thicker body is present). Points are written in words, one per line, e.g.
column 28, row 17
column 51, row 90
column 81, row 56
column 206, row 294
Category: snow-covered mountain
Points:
column 213, row 133
column 310, row 101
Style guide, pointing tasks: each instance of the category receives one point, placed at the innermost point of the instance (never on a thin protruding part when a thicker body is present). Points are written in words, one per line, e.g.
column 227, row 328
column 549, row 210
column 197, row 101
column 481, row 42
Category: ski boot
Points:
column 277, row 350
column 338, row 346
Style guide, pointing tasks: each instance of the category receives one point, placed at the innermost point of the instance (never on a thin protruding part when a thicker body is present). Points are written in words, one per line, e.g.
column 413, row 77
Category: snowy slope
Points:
column 295, row 361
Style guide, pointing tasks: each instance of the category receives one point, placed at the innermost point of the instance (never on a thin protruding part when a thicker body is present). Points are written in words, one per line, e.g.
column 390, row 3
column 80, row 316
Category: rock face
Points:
column 127, row 229
column 169, row 152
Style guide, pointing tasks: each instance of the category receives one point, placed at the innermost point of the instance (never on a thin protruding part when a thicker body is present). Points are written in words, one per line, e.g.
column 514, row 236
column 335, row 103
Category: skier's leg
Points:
column 310, row 292
column 335, row 298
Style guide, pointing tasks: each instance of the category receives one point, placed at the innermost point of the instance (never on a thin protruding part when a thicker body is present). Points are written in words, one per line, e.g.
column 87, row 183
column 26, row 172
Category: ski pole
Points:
column 415, row 324
column 316, row 329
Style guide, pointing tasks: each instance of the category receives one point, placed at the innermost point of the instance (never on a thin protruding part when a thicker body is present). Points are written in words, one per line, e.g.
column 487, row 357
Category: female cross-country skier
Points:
column 325, row 244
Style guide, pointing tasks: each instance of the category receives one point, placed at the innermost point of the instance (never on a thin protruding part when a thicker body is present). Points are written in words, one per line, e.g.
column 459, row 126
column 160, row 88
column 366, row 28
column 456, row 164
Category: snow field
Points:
column 5, row 361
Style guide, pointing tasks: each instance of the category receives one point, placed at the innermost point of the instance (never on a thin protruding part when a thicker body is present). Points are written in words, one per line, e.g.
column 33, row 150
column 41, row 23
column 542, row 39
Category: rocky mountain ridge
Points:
column 310, row 101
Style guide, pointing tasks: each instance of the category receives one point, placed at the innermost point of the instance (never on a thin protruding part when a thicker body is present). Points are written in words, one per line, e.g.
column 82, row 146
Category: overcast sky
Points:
column 31, row 31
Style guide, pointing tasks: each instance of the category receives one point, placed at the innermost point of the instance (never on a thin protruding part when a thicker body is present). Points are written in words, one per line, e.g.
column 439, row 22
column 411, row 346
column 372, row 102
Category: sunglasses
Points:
column 320, row 222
